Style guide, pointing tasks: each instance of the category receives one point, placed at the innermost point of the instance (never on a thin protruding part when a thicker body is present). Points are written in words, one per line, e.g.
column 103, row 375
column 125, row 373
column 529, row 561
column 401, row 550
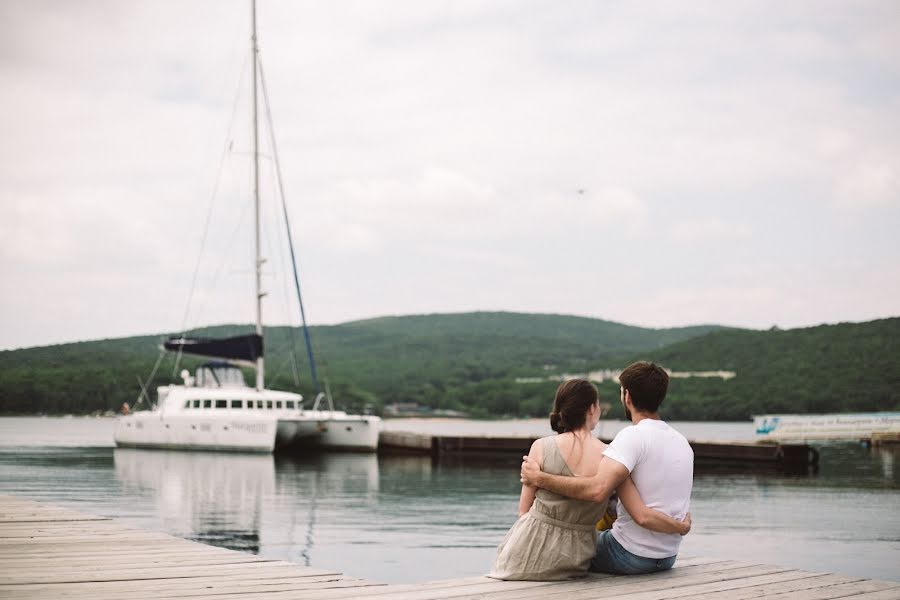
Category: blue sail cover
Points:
column 242, row 347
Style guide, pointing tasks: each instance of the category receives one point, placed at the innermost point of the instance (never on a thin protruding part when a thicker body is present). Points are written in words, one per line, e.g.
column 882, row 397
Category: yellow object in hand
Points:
column 607, row 521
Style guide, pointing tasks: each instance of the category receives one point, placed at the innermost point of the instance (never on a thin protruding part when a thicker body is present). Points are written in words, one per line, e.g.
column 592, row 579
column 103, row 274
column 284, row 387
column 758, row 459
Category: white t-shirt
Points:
column 661, row 464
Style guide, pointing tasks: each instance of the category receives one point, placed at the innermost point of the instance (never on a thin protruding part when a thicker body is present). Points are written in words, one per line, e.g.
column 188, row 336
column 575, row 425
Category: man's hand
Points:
column 686, row 525
column 530, row 472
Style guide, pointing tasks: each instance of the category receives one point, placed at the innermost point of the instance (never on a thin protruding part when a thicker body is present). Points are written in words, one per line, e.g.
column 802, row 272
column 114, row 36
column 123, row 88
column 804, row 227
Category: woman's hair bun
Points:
column 556, row 422
column 573, row 400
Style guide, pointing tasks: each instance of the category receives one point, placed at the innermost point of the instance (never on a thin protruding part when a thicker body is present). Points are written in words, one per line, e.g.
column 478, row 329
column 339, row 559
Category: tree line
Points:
column 471, row 362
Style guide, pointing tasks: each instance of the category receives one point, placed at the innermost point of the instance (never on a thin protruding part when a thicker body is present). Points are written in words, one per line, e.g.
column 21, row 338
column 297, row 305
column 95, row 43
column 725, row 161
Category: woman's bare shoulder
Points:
column 595, row 443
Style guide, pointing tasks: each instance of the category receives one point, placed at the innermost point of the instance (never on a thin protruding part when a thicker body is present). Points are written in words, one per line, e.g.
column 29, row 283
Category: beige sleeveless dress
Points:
column 556, row 539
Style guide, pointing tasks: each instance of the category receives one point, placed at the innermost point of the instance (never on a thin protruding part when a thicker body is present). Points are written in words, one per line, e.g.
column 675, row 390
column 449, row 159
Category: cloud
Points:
column 869, row 185
column 445, row 145
column 708, row 229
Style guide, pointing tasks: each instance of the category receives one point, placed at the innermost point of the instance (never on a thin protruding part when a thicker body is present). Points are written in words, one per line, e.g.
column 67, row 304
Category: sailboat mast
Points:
column 260, row 364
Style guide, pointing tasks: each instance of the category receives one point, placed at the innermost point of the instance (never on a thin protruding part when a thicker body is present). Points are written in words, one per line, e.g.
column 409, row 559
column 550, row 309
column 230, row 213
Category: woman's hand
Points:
column 686, row 525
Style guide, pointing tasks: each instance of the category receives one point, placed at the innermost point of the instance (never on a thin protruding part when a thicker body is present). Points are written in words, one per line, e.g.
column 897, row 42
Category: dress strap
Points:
column 553, row 459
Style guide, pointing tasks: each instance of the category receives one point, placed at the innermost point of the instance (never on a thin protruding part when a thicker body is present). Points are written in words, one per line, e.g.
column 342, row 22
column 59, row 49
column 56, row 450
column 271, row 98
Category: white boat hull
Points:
column 245, row 420
column 151, row 430
column 335, row 430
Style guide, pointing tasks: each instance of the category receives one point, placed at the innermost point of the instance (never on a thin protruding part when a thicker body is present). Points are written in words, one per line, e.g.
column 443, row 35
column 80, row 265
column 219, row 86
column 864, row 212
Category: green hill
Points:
column 847, row 367
column 470, row 361
column 453, row 361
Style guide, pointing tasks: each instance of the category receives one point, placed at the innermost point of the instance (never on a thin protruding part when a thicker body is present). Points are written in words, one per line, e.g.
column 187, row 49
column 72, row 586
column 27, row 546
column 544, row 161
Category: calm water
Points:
column 405, row 519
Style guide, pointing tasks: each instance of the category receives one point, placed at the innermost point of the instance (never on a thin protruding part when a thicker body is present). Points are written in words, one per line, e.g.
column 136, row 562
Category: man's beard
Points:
column 627, row 412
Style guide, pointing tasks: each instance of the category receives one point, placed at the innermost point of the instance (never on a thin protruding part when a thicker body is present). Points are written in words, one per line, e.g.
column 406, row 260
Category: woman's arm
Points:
column 528, row 491
column 647, row 517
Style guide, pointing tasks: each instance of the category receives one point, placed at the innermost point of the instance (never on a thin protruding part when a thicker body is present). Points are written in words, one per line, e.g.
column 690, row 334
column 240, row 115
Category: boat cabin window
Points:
column 187, row 403
column 237, row 404
column 196, row 404
column 289, row 404
column 221, row 403
column 259, row 404
column 278, row 404
column 207, row 404
column 219, row 374
column 269, row 404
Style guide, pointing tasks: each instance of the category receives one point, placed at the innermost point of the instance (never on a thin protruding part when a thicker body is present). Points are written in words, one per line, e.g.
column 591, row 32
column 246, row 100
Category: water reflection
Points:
column 231, row 500
column 887, row 461
column 314, row 492
column 209, row 497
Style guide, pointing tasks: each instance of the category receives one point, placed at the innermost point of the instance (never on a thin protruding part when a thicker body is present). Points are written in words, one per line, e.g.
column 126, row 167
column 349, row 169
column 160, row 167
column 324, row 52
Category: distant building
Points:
column 602, row 375
column 414, row 409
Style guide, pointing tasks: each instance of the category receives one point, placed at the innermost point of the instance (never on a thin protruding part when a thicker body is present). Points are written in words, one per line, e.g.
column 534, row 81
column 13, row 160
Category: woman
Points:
column 555, row 536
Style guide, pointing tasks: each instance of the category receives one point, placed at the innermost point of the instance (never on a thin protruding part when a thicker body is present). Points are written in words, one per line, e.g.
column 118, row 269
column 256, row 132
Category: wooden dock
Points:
column 51, row 552
column 789, row 457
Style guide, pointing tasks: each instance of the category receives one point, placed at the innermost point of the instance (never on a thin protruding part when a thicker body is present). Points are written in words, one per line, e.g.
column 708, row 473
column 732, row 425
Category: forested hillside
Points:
column 847, row 367
column 470, row 362
column 457, row 361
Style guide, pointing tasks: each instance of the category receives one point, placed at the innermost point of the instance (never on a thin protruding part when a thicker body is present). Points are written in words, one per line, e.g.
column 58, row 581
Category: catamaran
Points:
column 214, row 409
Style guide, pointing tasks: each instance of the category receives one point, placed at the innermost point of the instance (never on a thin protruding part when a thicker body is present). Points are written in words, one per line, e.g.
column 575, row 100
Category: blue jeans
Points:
column 611, row 557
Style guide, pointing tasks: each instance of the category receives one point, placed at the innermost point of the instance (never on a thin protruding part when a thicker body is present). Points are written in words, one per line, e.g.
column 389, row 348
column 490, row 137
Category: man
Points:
column 661, row 464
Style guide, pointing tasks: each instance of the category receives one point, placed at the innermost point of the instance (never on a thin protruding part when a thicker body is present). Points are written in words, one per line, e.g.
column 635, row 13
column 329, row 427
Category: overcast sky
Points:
column 654, row 163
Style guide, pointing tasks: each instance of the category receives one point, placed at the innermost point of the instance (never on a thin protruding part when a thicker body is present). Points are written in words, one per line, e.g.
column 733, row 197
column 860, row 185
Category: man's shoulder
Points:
column 655, row 431
column 654, row 427
column 678, row 436
column 644, row 430
column 628, row 437
column 627, row 431
column 631, row 432
column 675, row 445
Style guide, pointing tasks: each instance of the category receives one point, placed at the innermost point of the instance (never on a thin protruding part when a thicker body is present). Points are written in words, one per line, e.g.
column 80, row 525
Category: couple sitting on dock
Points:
column 573, row 485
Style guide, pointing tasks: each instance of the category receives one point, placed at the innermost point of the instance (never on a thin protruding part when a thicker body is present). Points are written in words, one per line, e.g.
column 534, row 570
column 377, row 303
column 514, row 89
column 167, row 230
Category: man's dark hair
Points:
column 647, row 383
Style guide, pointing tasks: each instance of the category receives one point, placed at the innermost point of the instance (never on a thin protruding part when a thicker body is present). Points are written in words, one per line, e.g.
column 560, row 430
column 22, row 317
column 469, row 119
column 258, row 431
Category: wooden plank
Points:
column 87, row 542
column 39, row 507
column 233, row 580
column 119, row 588
column 85, row 575
column 842, row 590
column 33, row 564
column 261, row 570
column 38, row 520
column 765, row 581
column 396, row 589
column 103, row 528
column 125, row 554
column 782, row 587
column 49, row 512
column 176, row 546
column 101, row 550
column 890, row 594
column 44, row 518
column 621, row 586
column 450, row 591
column 158, row 590
column 65, row 526
column 97, row 539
